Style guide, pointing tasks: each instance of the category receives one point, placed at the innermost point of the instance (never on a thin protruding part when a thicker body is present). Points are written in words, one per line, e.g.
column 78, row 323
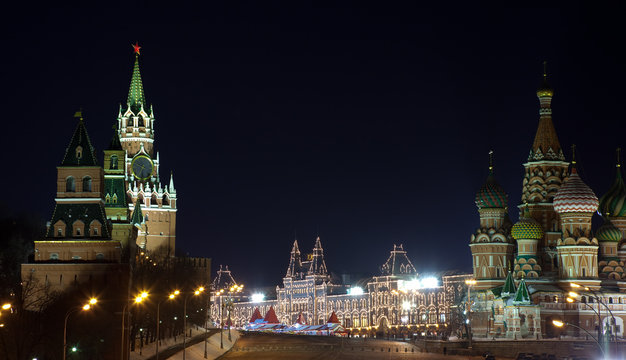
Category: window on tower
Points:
column 140, row 120
column 87, row 184
column 79, row 152
column 113, row 165
column 70, row 184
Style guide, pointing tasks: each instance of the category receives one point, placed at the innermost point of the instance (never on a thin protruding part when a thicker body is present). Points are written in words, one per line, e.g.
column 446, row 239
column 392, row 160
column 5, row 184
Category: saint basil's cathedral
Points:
column 525, row 271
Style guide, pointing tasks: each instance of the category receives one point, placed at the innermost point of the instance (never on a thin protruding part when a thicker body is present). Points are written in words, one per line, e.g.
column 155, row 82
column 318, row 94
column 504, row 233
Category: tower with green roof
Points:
column 115, row 197
column 491, row 244
column 141, row 170
column 79, row 234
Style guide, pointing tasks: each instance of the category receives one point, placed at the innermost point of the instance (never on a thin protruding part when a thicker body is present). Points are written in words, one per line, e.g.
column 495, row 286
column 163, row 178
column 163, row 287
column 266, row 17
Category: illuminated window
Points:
column 113, row 165
column 107, row 199
column 114, row 199
column 79, row 152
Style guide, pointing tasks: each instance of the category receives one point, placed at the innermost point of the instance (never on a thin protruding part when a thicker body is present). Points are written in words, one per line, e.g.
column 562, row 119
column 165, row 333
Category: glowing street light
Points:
column 6, row 306
column 258, row 297
column 560, row 324
column 85, row 307
column 171, row 296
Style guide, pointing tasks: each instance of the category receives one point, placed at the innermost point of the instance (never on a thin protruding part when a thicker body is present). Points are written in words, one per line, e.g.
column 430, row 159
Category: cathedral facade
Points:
column 397, row 302
column 549, row 265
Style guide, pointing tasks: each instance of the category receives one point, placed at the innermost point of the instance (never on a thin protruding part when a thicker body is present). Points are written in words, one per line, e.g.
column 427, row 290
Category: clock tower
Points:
column 135, row 123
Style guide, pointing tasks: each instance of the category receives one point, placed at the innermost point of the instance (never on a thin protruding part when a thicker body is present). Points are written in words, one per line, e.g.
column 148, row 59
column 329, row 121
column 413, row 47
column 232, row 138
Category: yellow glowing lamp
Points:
column 558, row 323
column 197, row 292
column 176, row 292
column 172, row 296
column 93, row 301
column 138, row 299
column 6, row 306
column 201, row 288
column 573, row 294
column 144, row 294
column 86, row 307
column 570, row 300
column 574, row 285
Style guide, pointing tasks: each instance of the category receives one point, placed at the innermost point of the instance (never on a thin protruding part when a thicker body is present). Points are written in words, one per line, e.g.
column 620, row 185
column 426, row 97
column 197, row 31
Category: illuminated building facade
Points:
column 398, row 302
column 141, row 170
column 524, row 271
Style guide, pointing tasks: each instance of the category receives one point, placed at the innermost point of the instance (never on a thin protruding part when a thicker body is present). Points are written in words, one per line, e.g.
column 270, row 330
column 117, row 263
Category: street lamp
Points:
column 469, row 283
column 85, row 307
column 158, row 319
column 598, row 300
column 194, row 293
column 560, row 324
column 137, row 300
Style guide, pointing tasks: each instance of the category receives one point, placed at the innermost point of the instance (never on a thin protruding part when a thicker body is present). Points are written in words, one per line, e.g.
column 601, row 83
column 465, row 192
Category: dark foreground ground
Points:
column 260, row 346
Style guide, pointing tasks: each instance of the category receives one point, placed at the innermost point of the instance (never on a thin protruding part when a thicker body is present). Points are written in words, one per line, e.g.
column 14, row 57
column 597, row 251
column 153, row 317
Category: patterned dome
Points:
column 491, row 195
column 613, row 203
column 575, row 196
column 527, row 228
column 608, row 232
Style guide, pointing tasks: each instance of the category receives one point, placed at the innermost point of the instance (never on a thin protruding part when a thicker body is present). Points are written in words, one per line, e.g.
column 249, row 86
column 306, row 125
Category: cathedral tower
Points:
column 577, row 250
column 527, row 232
column 491, row 245
column 135, row 122
column 544, row 173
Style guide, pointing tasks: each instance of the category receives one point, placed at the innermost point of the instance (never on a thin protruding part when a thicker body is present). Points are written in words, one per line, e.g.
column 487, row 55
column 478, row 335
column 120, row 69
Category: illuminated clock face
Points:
column 142, row 167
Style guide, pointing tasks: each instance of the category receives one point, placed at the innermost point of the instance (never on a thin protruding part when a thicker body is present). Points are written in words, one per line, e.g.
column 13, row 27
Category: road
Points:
column 260, row 346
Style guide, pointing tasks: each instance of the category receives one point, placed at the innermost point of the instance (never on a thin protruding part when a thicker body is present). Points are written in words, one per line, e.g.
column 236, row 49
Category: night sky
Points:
column 368, row 125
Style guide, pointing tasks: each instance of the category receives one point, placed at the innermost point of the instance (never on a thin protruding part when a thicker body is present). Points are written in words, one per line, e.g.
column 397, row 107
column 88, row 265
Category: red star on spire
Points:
column 136, row 48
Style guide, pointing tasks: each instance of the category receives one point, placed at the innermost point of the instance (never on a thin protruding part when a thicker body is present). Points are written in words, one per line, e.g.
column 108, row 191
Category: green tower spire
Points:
column 522, row 296
column 136, row 97
column 509, row 286
column 137, row 217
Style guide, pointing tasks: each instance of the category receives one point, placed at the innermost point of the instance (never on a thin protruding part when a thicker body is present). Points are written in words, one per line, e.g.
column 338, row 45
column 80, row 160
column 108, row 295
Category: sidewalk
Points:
column 197, row 339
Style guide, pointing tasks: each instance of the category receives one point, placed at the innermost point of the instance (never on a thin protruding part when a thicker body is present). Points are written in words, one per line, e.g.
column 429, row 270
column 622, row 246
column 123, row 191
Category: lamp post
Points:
column 138, row 299
column 226, row 306
column 85, row 307
column 560, row 324
column 206, row 321
column 599, row 301
column 470, row 283
column 194, row 293
column 158, row 320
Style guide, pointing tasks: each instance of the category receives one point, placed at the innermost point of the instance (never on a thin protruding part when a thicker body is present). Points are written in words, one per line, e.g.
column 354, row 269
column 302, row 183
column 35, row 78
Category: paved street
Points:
column 260, row 346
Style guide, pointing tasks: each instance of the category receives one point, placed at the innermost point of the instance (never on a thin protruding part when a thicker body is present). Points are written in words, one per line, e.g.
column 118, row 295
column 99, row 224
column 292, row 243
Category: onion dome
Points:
column 613, row 203
column 608, row 232
column 491, row 194
column 527, row 228
column 575, row 196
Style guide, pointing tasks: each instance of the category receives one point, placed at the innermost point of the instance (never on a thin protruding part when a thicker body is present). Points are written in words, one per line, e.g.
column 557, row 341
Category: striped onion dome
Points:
column 575, row 196
column 491, row 195
column 613, row 203
column 608, row 232
column 527, row 228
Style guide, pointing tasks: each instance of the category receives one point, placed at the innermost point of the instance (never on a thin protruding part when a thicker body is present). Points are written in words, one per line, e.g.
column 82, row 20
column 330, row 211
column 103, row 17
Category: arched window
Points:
column 79, row 152
column 87, row 184
column 54, row 256
column 107, row 199
column 99, row 256
column 113, row 162
column 70, row 184
column 114, row 200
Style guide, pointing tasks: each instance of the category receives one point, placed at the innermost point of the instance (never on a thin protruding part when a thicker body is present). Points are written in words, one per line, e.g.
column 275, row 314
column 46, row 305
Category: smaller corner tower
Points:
column 577, row 250
column 491, row 244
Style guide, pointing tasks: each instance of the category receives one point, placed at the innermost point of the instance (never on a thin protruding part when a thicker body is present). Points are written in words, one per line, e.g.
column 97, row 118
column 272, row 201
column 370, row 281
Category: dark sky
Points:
column 366, row 122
